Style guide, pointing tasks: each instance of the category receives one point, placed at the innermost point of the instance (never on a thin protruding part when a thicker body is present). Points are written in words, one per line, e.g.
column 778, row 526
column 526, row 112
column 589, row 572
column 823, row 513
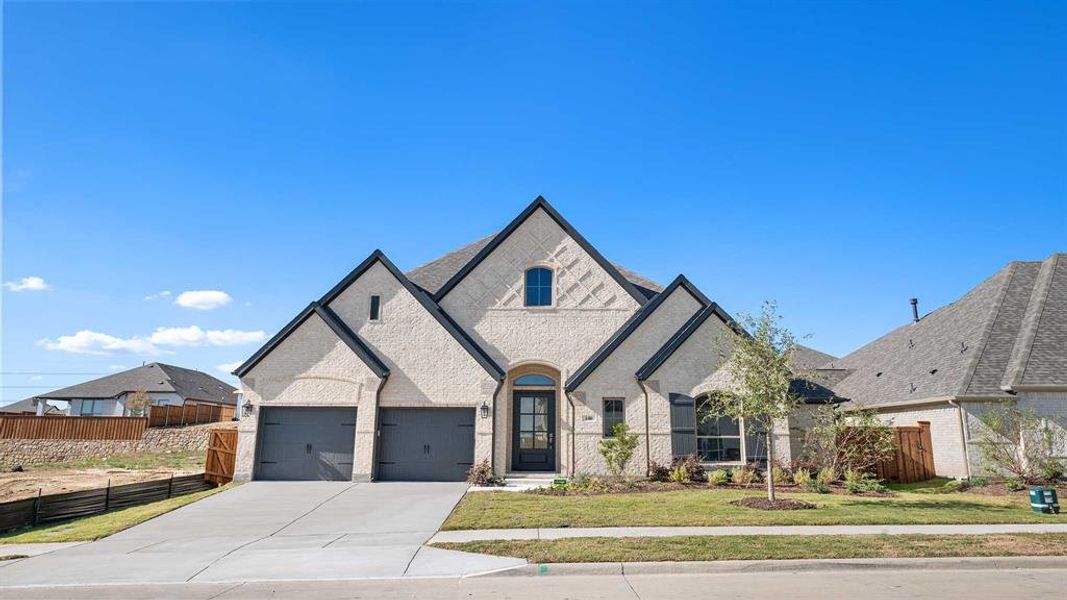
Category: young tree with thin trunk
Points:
column 760, row 372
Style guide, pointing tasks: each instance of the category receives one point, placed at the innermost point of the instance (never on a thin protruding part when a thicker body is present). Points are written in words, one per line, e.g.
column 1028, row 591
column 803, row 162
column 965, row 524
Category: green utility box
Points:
column 1044, row 500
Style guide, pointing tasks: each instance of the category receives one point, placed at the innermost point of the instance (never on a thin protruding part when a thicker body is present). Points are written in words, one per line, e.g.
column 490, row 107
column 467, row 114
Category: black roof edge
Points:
column 352, row 340
column 683, row 334
column 541, row 203
column 468, row 344
column 265, row 349
column 630, row 326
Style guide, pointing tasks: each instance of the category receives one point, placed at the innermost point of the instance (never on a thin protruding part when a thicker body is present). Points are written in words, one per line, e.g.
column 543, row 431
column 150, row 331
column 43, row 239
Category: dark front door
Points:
column 533, row 440
column 306, row 443
column 425, row 444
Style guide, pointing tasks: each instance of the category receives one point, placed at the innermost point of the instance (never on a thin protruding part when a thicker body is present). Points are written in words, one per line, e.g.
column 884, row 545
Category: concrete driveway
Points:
column 264, row 531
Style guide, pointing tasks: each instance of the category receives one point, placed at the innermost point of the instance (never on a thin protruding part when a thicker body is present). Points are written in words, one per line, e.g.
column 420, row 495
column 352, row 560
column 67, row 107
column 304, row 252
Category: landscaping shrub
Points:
column 840, row 441
column 780, row 474
column 854, row 476
column 618, row 449
column 482, row 474
column 801, row 477
column 1014, row 485
column 956, row 485
column 658, row 472
column 1021, row 444
column 680, row 475
column 818, row 487
column 865, row 485
column 692, row 465
column 826, row 476
column 978, row 482
column 742, row 476
column 718, row 477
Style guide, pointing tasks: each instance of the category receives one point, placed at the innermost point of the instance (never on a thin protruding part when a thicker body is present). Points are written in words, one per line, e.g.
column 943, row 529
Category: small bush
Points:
column 956, row 485
column 718, row 477
column 865, row 485
column 978, row 481
column 658, row 472
column 818, row 487
column 580, row 480
column 680, row 475
column 826, row 476
column 742, row 476
column 482, row 474
column 1052, row 470
column 853, row 476
column 618, row 449
column 692, row 465
column 1014, row 485
column 802, row 477
column 780, row 474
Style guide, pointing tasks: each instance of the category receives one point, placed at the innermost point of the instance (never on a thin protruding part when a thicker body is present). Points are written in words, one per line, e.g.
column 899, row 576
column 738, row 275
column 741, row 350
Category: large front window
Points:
column 539, row 287
column 91, row 408
column 723, row 439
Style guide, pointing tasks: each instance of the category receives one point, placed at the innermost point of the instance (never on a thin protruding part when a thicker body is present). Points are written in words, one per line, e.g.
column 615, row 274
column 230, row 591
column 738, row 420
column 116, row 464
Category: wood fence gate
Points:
column 221, row 456
column 914, row 457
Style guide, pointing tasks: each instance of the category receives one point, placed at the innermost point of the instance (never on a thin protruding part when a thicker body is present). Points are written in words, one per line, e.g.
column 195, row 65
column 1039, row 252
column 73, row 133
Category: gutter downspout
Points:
column 492, row 431
column 963, row 437
column 648, row 431
column 377, row 426
column 574, row 427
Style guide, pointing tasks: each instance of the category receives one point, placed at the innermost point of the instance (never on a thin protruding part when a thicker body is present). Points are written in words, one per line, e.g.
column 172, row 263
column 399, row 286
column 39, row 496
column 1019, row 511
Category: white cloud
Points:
column 27, row 284
column 234, row 337
column 94, row 342
column 228, row 368
column 117, row 367
column 36, row 378
column 158, row 295
column 203, row 299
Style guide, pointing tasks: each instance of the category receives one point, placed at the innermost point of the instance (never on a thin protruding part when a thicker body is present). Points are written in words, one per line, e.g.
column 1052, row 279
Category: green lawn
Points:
column 768, row 547
column 189, row 460
column 104, row 524
column 505, row 510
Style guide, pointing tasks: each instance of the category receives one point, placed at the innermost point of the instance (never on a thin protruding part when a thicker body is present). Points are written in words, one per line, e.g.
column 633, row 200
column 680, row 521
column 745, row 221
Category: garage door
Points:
column 306, row 443
column 425, row 444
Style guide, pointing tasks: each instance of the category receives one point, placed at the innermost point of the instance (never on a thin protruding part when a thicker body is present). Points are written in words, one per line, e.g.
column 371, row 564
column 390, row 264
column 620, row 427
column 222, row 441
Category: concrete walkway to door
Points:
column 263, row 531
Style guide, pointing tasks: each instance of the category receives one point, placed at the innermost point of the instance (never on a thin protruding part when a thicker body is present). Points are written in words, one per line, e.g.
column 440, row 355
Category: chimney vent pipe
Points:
column 915, row 309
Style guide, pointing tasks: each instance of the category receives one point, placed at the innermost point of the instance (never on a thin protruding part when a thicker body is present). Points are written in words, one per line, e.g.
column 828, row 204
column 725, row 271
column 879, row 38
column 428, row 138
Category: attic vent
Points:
column 911, row 343
column 913, row 388
column 878, row 374
column 933, row 371
column 963, row 347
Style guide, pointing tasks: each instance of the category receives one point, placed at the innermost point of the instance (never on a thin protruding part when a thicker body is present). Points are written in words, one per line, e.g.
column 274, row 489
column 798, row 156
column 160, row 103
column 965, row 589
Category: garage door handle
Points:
column 425, row 448
column 308, row 449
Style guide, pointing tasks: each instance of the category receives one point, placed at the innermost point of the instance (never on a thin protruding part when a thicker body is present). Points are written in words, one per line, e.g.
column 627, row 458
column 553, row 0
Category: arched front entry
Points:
column 534, row 418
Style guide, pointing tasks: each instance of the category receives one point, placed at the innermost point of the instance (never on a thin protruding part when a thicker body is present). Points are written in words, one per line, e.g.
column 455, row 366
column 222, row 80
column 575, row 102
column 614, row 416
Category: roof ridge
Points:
column 987, row 328
column 1031, row 322
column 541, row 203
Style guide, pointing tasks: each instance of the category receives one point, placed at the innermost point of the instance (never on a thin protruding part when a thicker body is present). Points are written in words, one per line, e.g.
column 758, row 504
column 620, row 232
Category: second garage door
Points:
column 425, row 444
column 306, row 443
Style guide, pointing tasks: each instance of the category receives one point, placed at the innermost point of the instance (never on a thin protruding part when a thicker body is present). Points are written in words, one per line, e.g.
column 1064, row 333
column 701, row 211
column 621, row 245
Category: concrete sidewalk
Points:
column 579, row 532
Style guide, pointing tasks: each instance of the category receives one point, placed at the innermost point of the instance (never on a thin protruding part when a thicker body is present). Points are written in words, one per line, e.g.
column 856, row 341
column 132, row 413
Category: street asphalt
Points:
column 263, row 531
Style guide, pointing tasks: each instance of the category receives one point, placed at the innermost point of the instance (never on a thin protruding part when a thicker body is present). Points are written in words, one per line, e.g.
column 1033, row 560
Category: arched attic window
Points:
column 535, row 379
column 538, row 286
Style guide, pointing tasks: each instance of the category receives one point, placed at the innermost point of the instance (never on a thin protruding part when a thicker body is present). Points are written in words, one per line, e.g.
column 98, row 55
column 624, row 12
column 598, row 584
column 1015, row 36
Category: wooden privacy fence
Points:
column 189, row 413
column 221, row 456
column 71, row 428
column 57, row 507
column 914, row 457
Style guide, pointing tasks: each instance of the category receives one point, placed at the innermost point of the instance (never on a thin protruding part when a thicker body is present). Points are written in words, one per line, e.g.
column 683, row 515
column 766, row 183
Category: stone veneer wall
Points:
column 155, row 440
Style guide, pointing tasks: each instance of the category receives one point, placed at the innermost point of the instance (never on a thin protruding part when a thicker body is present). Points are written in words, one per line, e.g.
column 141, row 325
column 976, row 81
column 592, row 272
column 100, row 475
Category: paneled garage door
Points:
column 306, row 443
column 425, row 444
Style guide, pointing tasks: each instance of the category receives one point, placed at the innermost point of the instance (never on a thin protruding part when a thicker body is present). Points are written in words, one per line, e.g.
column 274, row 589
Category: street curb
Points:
column 784, row 566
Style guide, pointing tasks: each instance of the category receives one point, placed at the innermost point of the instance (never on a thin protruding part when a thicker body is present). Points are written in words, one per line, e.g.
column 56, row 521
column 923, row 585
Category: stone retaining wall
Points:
column 155, row 440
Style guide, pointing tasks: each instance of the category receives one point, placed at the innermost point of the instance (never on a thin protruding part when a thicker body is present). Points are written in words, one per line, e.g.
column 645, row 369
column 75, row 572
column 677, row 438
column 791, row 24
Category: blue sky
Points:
column 839, row 158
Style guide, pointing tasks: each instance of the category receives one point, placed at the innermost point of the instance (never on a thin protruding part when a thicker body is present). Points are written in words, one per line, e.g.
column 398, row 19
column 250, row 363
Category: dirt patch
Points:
column 14, row 486
column 779, row 504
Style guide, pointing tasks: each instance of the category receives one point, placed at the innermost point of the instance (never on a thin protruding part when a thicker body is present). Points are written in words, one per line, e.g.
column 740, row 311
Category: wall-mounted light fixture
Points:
column 248, row 409
column 484, row 409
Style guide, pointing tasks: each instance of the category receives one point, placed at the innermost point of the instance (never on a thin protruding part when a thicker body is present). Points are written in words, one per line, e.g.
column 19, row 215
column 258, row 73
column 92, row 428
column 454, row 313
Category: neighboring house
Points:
column 1005, row 340
column 32, row 406
column 524, row 348
column 163, row 384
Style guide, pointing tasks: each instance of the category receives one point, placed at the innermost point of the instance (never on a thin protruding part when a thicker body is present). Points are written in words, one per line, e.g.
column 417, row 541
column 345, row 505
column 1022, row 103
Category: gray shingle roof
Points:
column 1010, row 330
column 27, row 406
column 153, row 377
column 434, row 274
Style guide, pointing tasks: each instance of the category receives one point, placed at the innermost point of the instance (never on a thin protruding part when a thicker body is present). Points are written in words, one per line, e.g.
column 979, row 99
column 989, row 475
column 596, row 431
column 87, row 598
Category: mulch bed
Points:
column 779, row 504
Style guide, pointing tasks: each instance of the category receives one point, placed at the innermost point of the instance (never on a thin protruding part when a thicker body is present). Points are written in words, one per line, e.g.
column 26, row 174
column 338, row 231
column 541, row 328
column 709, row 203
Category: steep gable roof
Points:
column 342, row 331
column 630, row 326
column 153, row 377
column 982, row 344
column 684, row 332
column 485, row 250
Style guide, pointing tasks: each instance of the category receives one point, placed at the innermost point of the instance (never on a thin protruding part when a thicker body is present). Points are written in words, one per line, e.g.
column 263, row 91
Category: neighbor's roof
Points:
column 153, row 377
column 27, row 406
column 1007, row 333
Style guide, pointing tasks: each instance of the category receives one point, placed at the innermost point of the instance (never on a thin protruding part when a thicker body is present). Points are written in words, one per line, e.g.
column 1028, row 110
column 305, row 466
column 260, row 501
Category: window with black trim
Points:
column 375, row 308
column 614, row 413
column 539, row 286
